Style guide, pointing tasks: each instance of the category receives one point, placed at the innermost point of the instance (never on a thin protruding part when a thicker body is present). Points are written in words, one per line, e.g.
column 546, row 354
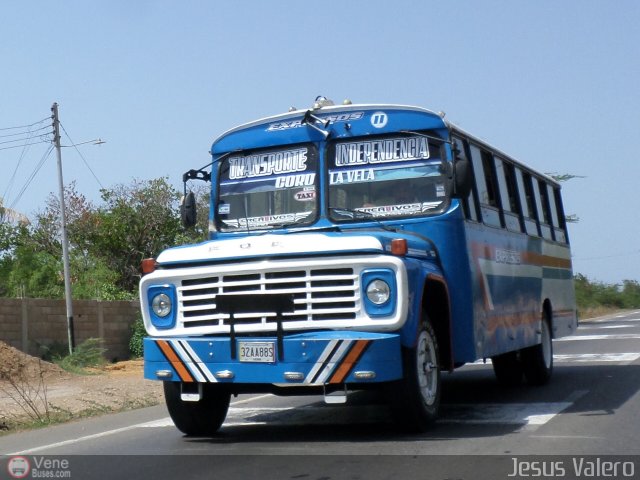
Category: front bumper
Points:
column 306, row 359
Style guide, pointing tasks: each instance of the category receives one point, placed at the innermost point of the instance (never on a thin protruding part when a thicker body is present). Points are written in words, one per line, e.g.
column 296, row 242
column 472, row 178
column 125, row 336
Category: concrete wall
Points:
column 28, row 323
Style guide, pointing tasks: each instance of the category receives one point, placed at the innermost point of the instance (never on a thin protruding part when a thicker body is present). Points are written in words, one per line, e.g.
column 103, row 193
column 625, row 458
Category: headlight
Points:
column 161, row 305
column 378, row 292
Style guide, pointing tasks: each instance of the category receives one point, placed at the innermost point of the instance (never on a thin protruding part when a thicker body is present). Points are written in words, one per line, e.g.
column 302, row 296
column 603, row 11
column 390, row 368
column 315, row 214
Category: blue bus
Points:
column 357, row 247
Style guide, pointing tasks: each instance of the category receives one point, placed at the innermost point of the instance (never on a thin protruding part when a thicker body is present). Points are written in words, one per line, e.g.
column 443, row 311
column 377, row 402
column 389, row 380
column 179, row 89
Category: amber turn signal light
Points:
column 148, row 265
column 399, row 246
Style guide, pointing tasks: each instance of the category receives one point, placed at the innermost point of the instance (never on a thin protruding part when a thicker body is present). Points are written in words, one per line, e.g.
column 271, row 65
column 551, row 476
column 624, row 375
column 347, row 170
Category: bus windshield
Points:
column 387, row 177
column 264, row 189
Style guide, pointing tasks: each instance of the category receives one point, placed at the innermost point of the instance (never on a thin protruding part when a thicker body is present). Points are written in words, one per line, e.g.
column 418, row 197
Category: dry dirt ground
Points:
column 31, row 389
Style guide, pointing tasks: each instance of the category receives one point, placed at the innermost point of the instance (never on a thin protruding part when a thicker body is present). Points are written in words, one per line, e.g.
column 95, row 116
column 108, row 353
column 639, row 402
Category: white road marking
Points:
column 596, row 357
column 606, row 327
column 71, row 441
column 625, row 357
column 619, row 336
column 251, row 399
column 163, row 422
column 526, row 414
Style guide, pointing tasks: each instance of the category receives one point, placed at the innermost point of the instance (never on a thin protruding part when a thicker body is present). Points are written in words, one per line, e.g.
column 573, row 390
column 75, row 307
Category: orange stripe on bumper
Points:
column 176, row 363
column 350, row 361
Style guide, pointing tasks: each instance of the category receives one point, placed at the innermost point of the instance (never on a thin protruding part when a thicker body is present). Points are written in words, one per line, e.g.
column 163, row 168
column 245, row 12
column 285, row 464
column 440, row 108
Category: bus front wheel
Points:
column 416, row 399
column 201, row 418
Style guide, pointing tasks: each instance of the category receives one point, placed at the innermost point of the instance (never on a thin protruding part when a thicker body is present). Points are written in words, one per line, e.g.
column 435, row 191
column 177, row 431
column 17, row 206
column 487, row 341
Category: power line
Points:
column 25, row 149
column 25, row 145
column 42, row 137
column 22, row 136
column 28, row 132
column 26, row 126
column 26, row 138
column 32, row 176
column 81, row 156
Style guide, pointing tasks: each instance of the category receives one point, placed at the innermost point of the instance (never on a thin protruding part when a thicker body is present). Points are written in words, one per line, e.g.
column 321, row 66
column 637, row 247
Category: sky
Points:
column 553, row 83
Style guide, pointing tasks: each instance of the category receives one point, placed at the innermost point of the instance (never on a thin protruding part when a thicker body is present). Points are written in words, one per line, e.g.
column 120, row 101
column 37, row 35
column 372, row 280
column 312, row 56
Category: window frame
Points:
column 488, row 193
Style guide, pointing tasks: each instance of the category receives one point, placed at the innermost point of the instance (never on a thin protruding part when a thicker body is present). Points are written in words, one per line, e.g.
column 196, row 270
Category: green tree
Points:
column 631, row 294
column 32, row 273
column 136, row 221
column 106, row 242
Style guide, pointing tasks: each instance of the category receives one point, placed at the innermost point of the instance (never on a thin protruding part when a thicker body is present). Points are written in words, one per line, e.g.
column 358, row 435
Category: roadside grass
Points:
column 57, row 415
column 30, row 392
column 86, row 355
column 600, row 311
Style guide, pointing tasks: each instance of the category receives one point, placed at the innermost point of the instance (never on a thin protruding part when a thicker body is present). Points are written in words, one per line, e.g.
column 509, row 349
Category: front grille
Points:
column 318, row 294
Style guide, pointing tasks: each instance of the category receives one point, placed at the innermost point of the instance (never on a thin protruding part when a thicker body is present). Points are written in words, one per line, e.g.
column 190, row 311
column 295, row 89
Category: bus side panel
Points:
column 448, row 234
column 507, row 271
column 458, row 275
column 557, row 286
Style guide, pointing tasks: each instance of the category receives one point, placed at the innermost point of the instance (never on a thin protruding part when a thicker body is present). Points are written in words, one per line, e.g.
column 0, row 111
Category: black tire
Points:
column 508, row 369
column 202, row 418
column 416, row 398
column 537, row 361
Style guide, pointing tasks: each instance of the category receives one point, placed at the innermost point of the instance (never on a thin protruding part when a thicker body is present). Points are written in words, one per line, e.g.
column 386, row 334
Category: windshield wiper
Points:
column 291, row 223
column 352, row 213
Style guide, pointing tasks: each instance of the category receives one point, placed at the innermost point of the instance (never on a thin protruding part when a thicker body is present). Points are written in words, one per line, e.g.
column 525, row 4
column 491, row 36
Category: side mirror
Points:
column 462, row 177
column 188, row 211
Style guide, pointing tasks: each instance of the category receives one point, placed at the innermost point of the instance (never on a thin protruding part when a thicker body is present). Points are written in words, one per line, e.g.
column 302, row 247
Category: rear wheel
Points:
column 202, row 418
column 416, row 399
column 537, row 361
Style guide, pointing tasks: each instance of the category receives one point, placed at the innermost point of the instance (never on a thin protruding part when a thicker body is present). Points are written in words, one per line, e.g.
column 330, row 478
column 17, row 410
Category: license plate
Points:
column 257, row 352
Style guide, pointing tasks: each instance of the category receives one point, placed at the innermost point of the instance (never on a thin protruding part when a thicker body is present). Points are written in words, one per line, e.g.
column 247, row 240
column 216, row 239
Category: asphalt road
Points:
column 589, row 411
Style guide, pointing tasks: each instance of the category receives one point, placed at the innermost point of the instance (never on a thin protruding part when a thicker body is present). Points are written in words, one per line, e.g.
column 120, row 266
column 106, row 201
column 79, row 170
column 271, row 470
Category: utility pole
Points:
column 63, row 231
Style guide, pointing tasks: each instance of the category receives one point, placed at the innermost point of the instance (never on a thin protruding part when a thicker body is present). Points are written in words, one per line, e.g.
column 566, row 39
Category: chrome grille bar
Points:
column 319, row 294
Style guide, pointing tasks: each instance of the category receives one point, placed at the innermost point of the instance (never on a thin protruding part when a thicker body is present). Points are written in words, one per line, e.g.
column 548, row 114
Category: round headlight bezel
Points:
column 161, row 305
column 378, row 292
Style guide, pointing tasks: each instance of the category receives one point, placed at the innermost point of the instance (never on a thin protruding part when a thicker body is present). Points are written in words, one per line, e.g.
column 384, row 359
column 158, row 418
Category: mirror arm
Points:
column 196, row 175
column 193, row 174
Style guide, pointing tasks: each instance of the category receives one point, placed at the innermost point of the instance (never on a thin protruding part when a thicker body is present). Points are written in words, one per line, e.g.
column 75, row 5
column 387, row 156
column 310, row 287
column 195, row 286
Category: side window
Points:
column 529, row 212
column 557, row 214
column 542, row 204
column 468, row 204
column 508, row 193
column 486, row 186
column 490, row 178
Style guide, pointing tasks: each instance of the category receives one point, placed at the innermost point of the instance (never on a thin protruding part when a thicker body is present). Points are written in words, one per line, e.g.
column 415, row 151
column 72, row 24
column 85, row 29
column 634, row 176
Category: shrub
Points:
column 138, row 333
column 87, row 354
